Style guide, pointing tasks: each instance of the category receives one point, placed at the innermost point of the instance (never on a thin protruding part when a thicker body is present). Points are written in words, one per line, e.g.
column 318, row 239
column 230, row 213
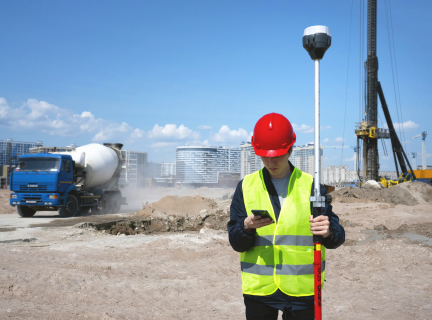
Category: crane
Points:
column 414, row 154
column 423, row 135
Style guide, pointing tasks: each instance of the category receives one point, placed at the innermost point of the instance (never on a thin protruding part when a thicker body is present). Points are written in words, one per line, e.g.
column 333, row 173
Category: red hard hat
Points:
column 273, row 136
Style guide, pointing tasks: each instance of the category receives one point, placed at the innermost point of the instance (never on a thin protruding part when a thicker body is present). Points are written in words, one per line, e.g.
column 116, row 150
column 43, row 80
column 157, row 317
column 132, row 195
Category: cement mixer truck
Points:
column 75, row 182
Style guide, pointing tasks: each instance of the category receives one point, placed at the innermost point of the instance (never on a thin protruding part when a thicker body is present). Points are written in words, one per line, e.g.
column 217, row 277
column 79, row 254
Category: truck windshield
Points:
column 38, row 164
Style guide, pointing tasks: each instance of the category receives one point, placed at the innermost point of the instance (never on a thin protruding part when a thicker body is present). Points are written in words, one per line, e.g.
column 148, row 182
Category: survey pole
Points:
column 316, row 41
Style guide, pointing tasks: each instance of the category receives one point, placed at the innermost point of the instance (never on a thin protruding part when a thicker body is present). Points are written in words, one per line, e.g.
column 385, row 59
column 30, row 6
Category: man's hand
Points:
column 252, row 222
column 320, row 226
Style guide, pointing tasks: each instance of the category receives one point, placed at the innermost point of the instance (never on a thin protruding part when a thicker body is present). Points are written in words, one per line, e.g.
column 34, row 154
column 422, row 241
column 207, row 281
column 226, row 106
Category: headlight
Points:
column 13, row 196
column 53, row 196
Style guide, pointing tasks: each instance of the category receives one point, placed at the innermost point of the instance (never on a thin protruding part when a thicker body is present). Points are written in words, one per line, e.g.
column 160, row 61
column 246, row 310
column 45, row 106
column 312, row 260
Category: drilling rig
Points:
column 367, row 131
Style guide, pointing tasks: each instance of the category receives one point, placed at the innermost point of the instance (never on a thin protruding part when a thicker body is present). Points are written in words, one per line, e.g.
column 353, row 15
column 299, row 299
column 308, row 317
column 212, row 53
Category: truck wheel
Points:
column 71, row 207
column 106, row 204
column 115, row 203
column 25, row 211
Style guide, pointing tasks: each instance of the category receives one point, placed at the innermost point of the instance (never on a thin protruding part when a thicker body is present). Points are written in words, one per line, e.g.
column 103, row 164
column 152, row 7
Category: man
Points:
column 277, row 253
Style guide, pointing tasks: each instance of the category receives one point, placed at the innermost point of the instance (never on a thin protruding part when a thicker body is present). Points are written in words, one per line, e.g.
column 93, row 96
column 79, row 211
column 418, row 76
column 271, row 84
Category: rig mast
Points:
column 367, row 130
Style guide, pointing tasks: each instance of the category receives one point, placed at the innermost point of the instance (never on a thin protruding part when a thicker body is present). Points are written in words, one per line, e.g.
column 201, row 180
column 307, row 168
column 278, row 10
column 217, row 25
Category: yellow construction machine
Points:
column 404, row 177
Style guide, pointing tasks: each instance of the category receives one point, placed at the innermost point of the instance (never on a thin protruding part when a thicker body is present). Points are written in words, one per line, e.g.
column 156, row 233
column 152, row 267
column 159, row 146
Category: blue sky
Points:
column 155, row 75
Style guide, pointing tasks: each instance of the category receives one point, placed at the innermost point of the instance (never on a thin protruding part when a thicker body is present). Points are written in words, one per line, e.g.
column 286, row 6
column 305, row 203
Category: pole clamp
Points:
column 318, row 201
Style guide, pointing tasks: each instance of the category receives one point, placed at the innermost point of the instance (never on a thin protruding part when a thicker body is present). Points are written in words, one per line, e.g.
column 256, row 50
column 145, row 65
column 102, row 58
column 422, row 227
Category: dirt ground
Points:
column 179, row 264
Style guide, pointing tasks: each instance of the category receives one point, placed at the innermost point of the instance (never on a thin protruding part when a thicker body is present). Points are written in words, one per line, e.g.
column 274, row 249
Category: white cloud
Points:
column 326, row 140
column 203, row 127
column 303, row 128
column 227, row 135
column 352, row 159
column 307, row 129
column 112, row 130
column 339, row 139
column 170, row 131
column 42, row 116
column 137, row 133
column 407, row 125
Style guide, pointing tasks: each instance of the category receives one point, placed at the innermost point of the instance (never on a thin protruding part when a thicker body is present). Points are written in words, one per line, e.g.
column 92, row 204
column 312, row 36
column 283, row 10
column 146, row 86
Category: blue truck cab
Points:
column 41, row 182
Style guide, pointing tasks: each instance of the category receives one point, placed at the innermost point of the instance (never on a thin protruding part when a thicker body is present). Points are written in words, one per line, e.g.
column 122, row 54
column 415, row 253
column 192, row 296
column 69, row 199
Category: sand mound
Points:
column 407, row 193
column 394, row 195
column 182, row 206
column 173, row 213
column 421, row 191
column 5, row 207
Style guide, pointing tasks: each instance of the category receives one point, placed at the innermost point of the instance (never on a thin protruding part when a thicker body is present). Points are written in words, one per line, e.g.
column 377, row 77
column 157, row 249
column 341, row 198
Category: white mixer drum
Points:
column 100, row 164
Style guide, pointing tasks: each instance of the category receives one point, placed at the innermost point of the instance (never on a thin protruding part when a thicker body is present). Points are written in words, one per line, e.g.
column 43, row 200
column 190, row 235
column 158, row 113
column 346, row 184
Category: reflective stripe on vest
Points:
column 286, row 240
column 282, row 257
column 282, row 269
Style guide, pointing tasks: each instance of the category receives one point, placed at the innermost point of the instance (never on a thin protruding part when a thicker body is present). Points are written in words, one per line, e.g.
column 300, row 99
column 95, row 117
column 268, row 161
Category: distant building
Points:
column 45, row 149
column 10, row 150
column 250, row 162
column 203, row 165
column 134, row 169
column 168, row 169
column 4, row 176
column 303, row 158
column 335, row 174
column 153, row 170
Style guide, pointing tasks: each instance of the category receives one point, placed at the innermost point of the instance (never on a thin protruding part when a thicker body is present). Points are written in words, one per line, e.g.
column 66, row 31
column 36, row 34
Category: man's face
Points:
column 277, row 166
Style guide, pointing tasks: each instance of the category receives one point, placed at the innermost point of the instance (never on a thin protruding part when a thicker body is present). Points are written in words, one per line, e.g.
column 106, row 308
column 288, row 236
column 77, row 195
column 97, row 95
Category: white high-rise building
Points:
column 303, row 158
column 168, row 169
column 336, row 174
column 202, row 165
column 250, row 162
column 10, row 150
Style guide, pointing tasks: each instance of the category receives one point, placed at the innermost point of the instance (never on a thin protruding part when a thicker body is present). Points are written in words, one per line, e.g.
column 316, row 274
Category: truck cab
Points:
column 40, row 182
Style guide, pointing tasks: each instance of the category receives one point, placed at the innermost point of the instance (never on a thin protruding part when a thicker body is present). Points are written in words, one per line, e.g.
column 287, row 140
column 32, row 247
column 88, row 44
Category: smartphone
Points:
column 261, row 213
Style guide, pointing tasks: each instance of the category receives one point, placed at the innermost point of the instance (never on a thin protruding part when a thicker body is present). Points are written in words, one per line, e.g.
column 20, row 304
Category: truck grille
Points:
column 24, row 187
column 29, row 197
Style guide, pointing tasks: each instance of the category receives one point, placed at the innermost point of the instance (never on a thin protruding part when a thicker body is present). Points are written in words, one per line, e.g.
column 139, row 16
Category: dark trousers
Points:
column 260, row 311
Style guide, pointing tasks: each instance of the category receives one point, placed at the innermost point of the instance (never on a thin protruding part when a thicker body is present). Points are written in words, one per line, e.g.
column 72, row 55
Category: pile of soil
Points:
column 5, row 207
column 173, row 214
column 421, row 191
column 181, row 206
column 407, row 193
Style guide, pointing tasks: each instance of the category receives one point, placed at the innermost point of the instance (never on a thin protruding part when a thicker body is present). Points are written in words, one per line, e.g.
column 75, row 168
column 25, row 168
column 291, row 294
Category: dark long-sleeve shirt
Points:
column 241, row 240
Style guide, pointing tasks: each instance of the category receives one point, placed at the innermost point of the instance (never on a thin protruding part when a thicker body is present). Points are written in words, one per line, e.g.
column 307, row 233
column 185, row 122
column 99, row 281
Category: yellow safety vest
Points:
column 283, row 254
